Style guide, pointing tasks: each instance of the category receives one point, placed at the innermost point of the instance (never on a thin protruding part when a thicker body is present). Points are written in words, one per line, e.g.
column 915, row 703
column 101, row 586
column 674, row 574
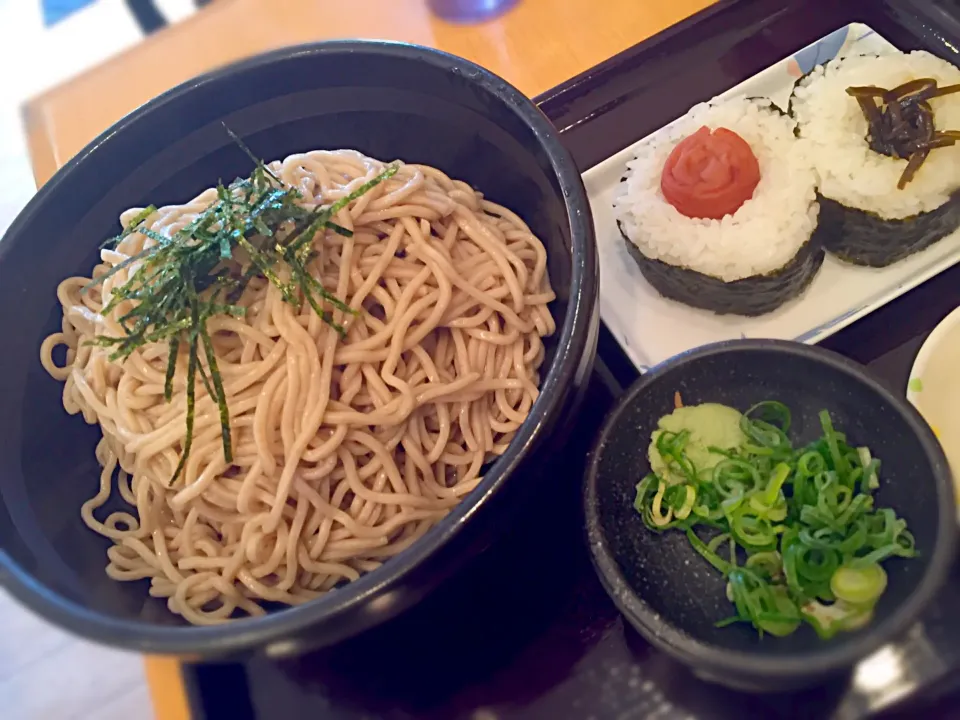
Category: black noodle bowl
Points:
column 385, row 100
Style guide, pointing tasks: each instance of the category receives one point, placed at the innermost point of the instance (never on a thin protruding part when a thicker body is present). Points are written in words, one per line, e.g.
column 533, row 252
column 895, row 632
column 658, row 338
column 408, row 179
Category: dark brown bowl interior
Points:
column 672, row 596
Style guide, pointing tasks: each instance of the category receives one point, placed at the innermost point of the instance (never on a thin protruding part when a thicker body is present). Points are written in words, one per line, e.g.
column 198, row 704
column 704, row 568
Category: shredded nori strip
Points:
column 901, row 122
column 182, row 281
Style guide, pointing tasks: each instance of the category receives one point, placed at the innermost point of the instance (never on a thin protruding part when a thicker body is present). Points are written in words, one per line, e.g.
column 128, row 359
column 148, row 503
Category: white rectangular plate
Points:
column 651, row 329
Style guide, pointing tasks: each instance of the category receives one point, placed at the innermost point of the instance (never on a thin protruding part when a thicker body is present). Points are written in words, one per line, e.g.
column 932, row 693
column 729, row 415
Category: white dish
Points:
column 651, row 329
column 934, row 387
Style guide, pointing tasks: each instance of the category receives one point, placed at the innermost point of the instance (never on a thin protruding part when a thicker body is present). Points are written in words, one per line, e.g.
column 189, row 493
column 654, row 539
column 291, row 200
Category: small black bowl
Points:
column 387, row 100
column 673, row 597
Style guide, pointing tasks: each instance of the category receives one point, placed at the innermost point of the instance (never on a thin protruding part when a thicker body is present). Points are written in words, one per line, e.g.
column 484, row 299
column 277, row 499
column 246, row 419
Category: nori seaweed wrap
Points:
column 863, row 238
column 749, row 296
column 719, row 210
column 881, row 132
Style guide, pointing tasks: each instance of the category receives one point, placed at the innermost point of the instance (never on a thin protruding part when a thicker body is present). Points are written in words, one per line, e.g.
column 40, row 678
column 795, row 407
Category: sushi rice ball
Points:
column 719, row 209
column 874, row 211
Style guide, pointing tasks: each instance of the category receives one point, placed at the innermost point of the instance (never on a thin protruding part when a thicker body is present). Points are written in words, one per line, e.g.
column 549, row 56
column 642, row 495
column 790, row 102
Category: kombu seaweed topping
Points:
column 901, row 122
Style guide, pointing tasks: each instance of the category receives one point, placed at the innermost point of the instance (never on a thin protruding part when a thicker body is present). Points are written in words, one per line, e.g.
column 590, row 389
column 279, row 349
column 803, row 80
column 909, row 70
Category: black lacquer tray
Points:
column 525, row 630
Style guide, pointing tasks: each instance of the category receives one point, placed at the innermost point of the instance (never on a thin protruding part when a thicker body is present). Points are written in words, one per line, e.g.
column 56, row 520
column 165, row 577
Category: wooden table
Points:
column 537, row 45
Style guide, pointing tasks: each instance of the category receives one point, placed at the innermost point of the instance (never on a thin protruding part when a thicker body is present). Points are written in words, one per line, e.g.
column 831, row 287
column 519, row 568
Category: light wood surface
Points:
column 537, row 45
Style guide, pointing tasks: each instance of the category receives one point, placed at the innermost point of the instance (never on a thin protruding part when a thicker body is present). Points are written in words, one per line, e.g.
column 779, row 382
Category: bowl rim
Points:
column 735, row 663
column 579, row 326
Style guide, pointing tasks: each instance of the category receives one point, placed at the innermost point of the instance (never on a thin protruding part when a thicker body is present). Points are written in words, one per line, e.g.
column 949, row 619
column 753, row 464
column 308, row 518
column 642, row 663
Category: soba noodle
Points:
column 345, row 450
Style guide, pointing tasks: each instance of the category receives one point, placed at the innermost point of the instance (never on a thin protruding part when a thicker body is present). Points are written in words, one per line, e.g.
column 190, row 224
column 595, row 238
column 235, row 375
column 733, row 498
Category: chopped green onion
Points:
column 803, row 518
column 708, row 555
column 859, row 585
column 658, row 517
column 828, row 620
column 785, row 620
column 830, row 435
column 780, row 474
column 769, row 562
column 691, row 495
